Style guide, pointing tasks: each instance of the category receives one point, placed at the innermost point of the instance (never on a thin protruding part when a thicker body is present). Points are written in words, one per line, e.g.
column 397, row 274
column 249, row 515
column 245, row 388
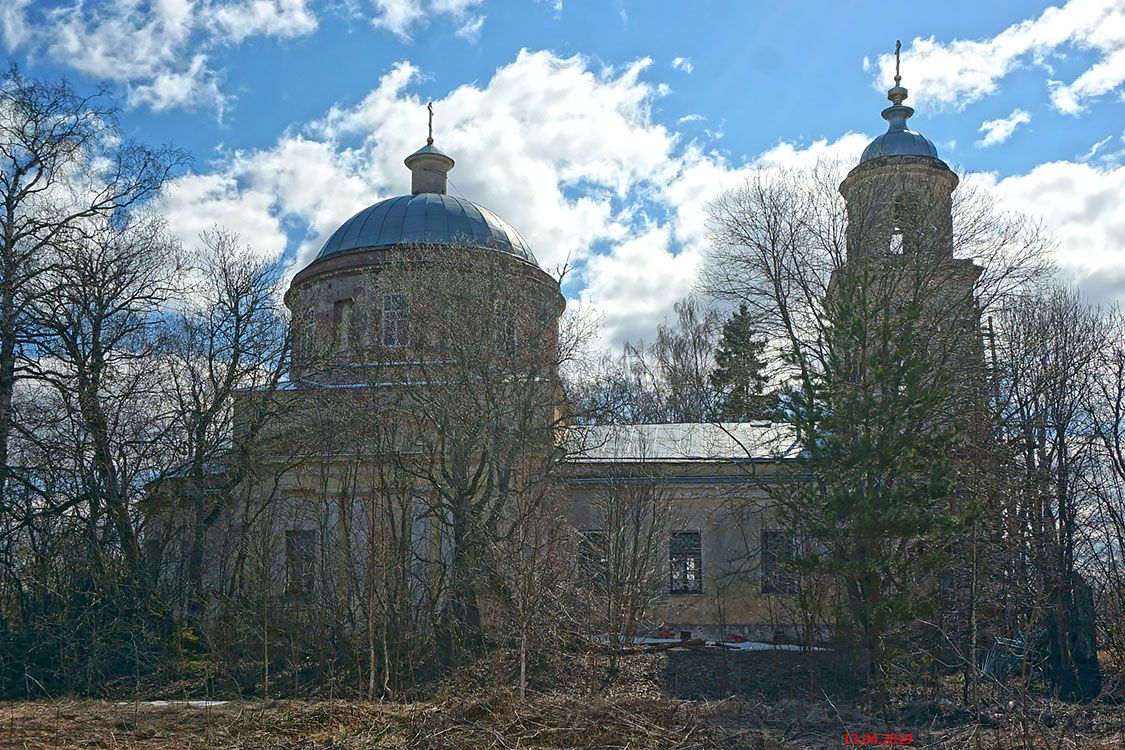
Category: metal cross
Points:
column 898, row 48
column 430, row 108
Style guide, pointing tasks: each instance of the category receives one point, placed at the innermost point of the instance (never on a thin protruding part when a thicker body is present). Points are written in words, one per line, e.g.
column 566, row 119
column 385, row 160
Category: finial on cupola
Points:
column 428, row 166
column 897, row 94
column 897, row 113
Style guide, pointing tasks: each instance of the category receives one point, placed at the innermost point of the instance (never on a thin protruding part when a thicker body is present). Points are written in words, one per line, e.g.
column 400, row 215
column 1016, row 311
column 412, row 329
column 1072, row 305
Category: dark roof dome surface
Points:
column 428, row 216
column 899, row 143
column 430, row 219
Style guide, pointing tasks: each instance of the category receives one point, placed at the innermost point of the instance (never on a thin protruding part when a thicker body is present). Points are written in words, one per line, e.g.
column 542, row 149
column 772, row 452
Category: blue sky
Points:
column 599, row 129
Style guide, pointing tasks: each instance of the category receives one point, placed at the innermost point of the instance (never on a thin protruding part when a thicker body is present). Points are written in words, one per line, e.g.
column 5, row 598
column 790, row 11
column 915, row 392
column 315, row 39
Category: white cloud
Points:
column 13, row 22
column 160, row 52
column 569, row 153
column 142, row 47
column 196, row 203
column 690, row 118
column 623, row 287
column 684, row 64
column 164, row 53
column 963, row 71
column 401, row 17
column 1080, row 204
column 279, row 18
column 1001, row 129
column 470, row 30
column 1094, row 149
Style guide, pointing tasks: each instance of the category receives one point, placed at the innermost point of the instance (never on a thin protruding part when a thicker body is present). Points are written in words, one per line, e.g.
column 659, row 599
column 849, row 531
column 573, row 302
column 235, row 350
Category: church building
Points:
column 424, row 400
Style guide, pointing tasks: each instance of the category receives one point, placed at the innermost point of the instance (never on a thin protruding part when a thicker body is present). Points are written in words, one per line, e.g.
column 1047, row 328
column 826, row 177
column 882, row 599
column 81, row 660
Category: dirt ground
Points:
column 680, row 700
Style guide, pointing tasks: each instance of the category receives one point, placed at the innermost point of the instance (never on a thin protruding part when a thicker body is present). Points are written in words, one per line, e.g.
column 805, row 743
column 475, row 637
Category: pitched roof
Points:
column 713, row 441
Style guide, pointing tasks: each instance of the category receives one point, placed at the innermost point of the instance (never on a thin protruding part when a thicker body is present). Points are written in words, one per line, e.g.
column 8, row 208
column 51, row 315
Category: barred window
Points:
column 778, row 554
column 593, row 557
column 395, row 318
column 685, row 559
column 300, row 562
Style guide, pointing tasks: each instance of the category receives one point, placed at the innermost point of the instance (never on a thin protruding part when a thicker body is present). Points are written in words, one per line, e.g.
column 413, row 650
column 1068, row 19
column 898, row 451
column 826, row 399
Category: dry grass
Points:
column 657, row 701
column 503, row 722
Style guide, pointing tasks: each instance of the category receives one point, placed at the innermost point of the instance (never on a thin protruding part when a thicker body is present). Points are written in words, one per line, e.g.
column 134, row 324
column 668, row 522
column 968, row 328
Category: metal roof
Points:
column 725, row 441
column 430, row 150
column 429, row 219
column 898, row 141
column 901, row 142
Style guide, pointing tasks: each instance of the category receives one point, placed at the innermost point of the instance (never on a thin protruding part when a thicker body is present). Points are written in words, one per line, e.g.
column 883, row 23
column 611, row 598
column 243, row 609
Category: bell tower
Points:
column 899, row 201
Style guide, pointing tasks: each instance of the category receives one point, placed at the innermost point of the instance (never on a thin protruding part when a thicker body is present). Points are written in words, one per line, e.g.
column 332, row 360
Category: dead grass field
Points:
column 659, row 701
column 503, row 722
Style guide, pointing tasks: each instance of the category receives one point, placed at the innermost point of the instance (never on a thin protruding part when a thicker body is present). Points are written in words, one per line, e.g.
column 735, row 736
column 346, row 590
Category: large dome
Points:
column 426, row 218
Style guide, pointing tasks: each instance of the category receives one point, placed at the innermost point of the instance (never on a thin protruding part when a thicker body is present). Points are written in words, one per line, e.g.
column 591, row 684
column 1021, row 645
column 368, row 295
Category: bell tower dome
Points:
column 900, row 195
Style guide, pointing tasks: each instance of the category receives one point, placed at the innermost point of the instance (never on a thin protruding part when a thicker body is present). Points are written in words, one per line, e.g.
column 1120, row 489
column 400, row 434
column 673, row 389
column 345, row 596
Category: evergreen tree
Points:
column 738, row 379
column 870, row 500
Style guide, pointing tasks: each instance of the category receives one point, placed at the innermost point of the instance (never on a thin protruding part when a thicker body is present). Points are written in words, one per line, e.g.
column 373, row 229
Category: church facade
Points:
column 424, row 400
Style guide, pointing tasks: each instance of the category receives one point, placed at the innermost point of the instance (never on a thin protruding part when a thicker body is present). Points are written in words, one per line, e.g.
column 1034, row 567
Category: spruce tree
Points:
column 738, row 379
column 870, row 499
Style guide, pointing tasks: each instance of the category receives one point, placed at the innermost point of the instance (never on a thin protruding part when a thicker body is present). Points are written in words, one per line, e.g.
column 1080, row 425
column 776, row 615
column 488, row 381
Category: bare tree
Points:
column 63, row 164
column 96, row 316
column 488, row 404
column 226, row 335
column 623, row 557
column 1048, row 350
column 1107, row 536
column 665, row 381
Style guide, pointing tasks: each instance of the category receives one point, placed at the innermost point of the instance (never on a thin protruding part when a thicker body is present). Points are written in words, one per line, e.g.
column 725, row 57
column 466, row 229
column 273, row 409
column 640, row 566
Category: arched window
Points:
column 895, row 247
column 904, row 229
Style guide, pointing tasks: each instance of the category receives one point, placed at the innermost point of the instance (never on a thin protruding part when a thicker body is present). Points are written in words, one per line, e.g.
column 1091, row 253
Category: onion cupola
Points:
column 898, row 140
column 899, row 196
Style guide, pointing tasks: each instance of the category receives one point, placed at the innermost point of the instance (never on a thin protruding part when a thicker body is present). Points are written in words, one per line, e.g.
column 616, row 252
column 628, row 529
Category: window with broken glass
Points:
column 685, row 559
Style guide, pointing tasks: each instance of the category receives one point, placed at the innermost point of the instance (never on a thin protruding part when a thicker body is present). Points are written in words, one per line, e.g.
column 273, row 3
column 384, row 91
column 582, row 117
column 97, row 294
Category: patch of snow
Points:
column 641, row 640
column 755, row 646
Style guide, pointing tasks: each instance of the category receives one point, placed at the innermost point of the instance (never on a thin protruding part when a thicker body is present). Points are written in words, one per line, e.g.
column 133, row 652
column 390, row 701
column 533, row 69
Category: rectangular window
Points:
column 685, row 558
column 395, row 317
column 593, row 557
column 342, row 320
column 510, row 341
column 300, row 562
column 778, row 554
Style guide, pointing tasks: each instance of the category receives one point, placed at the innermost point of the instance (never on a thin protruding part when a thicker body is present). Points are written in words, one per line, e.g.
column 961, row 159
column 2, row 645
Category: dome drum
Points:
column 397, row 280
